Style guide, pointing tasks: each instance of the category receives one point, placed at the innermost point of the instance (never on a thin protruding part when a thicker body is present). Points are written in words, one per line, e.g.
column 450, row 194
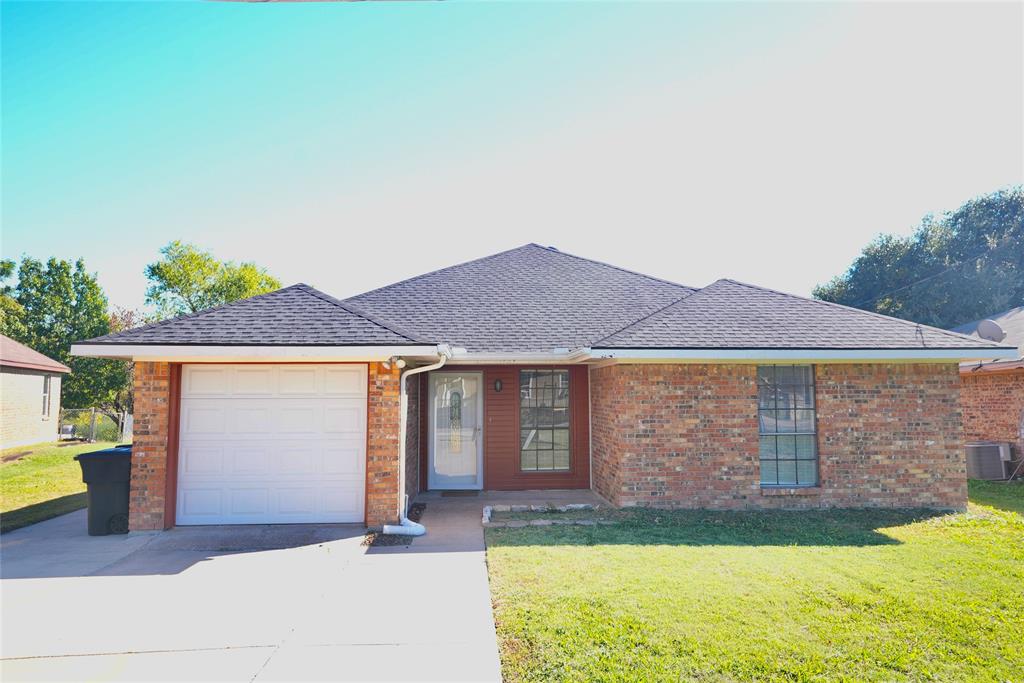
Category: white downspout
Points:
column 405, row 526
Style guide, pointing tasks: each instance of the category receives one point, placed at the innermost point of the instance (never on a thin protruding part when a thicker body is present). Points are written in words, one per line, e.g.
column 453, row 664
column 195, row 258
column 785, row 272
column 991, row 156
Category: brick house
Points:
column 29, row 394
column 536, row 369
column 992, row 392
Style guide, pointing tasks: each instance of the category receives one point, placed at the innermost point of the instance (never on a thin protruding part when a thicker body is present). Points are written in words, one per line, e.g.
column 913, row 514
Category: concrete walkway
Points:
column 273, row 603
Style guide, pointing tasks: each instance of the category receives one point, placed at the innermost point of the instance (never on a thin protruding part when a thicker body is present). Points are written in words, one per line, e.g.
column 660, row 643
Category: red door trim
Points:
column 173, row 430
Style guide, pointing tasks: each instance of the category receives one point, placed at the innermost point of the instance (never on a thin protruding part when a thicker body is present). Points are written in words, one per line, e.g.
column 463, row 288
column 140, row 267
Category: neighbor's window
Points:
column 544, row 420
column 46, row 396
column 789, row 449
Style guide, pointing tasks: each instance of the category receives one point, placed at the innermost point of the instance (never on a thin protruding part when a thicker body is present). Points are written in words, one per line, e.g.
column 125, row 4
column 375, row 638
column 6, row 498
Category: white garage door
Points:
column 269, row 444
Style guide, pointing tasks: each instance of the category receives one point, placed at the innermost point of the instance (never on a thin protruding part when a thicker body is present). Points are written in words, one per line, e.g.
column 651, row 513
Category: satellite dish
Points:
column 990, row 329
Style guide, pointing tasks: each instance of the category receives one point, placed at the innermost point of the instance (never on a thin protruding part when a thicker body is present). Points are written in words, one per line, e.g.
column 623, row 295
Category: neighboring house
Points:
column 992, row 393
column 29, row 395
column 546, row 371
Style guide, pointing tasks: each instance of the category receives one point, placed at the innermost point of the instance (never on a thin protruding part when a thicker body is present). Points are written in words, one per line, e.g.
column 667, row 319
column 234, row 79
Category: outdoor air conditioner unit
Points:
column 989, row 460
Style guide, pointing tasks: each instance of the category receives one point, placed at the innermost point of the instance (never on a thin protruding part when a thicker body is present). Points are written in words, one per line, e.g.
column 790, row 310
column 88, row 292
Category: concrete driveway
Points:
column 281, row 603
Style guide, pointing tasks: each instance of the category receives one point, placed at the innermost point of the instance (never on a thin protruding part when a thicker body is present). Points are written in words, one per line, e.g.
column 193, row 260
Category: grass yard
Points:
column 787, row 596
column 1005, row 495
column 43, row 483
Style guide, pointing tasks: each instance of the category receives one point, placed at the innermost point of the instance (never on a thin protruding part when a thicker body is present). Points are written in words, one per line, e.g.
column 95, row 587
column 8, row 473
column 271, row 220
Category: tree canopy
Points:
column 955, row 268
column 52, row 305
column 188, row 279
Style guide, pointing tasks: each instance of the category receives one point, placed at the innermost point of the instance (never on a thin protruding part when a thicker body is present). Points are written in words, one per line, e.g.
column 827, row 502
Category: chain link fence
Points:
column 90, row 424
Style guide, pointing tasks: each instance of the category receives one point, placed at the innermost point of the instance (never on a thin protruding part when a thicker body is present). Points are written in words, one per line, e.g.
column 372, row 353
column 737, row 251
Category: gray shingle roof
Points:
column 734, row 315
column 296, row 315
column 536, row 299
column 532, row 298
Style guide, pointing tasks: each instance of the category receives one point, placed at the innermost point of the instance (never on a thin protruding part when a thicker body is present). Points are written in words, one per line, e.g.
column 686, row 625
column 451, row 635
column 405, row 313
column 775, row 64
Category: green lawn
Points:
column 787, row 596
column 45, row 483
column 1005, row 495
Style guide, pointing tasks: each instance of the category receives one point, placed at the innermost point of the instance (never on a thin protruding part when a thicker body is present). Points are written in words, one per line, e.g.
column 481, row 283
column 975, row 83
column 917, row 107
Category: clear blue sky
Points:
column 764, row 142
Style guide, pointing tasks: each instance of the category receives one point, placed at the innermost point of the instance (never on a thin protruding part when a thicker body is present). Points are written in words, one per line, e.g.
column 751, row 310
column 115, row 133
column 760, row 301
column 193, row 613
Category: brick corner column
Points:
column 149, row 447
column 383, row 420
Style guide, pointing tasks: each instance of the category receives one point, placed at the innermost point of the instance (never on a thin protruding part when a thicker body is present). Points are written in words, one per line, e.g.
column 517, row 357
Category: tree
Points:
column 959, row 267
column 11, row 313
column 187, row 280
column 58, row 304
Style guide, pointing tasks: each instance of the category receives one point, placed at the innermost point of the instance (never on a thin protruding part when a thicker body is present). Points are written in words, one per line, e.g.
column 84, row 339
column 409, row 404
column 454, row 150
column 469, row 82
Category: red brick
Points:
column 686, row 436
column 993, row 405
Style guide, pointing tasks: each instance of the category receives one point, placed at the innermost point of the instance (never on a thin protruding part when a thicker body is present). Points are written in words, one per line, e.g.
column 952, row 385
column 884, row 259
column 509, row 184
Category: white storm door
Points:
column 455, row 422
column 272, row 444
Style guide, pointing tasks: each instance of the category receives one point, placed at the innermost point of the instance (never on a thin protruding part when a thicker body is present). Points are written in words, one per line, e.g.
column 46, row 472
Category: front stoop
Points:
column 485, row 519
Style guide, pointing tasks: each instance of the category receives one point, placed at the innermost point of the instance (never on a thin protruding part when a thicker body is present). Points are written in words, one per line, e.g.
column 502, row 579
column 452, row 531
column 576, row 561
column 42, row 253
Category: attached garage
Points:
column 272, row 443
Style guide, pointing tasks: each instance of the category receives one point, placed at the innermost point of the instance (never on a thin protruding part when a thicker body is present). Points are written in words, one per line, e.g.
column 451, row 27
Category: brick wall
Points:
column 149, row 446
column 993, row 406
column 383, row 422
column 686, row 436
column 21, row 418
column 890, row 435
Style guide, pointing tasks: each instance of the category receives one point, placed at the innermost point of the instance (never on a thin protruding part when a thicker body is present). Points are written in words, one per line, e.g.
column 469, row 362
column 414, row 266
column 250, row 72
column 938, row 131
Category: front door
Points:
column 456, row 431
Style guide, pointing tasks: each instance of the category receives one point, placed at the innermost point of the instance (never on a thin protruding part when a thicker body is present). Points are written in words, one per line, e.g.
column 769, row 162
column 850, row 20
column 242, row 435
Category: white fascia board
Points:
column 795, row 355
column 241, row 354
column 469, row 357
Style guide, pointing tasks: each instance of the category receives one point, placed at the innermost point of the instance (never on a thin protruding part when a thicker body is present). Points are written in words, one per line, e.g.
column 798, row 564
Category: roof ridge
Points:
column 685, row 297
column 390, row 327
column 553, row 250
column 832, row 304
column 438, row 270
column 186, row 316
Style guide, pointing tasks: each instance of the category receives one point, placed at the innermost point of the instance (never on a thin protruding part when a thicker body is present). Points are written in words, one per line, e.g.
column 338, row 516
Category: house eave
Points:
column 795, row 355
column 253, row 354
column 38, row 367
column 462, row 356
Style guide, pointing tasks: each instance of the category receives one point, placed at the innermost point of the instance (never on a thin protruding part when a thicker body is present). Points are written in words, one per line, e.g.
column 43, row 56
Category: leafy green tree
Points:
column 11, row 313
column 955, row 268
column 187, row 280
column 57, row 304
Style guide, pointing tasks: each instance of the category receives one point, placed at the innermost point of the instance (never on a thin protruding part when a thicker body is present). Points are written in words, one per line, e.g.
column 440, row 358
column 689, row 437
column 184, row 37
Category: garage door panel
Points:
column 251, row 420
column 249, row 459
column 344, row 381
column 200, row 459
column 200, row 502
column 299, row 500
column 255, row 381
column 297, row 462
column 272, row 444
column 202, row 419
column 302, row 380
column 342, row 458
column 207, row 381
column 249, row 501
column 341, row 419
column 342, row 500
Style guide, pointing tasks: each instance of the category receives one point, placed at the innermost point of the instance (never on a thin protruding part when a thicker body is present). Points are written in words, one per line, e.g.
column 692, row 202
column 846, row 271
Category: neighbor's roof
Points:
column 16, row 355
column 1012, row 322
column 732, row 315
column 529, row 299
column 294, row 316
column 535, row 299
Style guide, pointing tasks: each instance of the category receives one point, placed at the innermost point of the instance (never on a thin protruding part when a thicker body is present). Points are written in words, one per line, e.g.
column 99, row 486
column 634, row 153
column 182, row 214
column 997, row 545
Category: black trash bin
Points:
column 106, row 474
